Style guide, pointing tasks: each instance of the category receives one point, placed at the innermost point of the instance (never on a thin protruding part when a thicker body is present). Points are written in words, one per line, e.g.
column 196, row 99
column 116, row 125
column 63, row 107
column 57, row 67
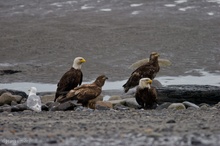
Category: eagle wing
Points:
column 68, row 81
column 153, row 94
column 83, row 93
column 144, row 71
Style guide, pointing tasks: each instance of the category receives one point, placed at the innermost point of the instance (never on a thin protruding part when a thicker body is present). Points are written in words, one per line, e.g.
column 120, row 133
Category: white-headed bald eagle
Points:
column 71, row 79
column 146, row 96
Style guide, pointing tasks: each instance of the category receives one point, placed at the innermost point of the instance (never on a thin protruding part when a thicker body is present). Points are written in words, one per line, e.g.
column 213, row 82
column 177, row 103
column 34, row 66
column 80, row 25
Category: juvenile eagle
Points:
column 86, row 92
column 71, row 79
column 148, row 70
column 146, row 96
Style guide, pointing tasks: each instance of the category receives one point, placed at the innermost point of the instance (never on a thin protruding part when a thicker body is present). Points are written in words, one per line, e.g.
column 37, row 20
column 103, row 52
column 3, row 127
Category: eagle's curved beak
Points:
column 157, row 55
column 82, row 60
column 149, row 81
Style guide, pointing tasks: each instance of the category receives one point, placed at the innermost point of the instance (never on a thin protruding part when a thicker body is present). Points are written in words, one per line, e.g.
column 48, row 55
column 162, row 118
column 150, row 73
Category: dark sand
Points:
column 41, row 39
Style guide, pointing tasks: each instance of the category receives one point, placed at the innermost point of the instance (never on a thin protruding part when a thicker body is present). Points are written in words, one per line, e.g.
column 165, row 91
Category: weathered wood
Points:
column 193, row 93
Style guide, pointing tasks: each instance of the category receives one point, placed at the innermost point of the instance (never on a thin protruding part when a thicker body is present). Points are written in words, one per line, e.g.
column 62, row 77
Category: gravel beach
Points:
column 110, row 128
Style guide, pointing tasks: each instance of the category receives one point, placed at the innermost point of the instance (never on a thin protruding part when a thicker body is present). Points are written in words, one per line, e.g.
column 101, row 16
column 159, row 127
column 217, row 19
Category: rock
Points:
column 51, row 104
column 156, row 84
column 205, row 106
column 14, row 92
column 103, row 105
column 164, row 105
column 120, row 107
column 193, row 93
column 189, row 104
column 7, row 109
column 217, row 106
column 18, row 108
column 132, row 103
column 114, row 102
column 44, row 107
column 177, row 106
column 115, row 97
column 13, row 103
column 64, row 106
column 171, row 121
column 7, row 98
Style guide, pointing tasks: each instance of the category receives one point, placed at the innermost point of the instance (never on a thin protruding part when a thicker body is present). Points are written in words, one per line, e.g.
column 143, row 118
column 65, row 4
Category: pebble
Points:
column 177, row 106
column 7, row 98
column 164, row 105
column 115, row 97
column 190, row 104
column 132, row 103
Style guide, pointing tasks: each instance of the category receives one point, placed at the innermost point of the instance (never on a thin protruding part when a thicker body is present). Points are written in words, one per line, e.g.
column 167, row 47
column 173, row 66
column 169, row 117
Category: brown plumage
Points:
column 71, row 79
column 148, row 70
column 146, row 96
column 87, row 92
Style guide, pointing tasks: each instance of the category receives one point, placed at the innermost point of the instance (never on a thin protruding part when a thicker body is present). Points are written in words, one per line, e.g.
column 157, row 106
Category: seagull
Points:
column 34, row 101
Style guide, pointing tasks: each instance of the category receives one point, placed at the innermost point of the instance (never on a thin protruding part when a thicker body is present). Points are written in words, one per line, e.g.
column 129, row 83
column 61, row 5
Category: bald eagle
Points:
column 87, row 92
column 71, row 79
column 146, row 96
column 148, row 70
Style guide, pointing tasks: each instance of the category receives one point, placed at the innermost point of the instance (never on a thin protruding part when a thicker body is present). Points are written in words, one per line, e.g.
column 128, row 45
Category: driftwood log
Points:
column 193, row 93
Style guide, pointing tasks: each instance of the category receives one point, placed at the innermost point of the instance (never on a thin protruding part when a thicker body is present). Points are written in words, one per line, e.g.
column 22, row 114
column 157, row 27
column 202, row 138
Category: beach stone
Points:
column 13, row 103
column 51, row 104
column 164, row 105
column 114, row 102
column 171, row 121
column 217, row 106
column 14, row 92
column 44, row 107
column 204, row 106
column 22, row 106
column 177, row 106
column 7, row 98
column 63, row 106
column 156, row 84
column 115, row 97
column 120, row 107
column 190, row 104
column 7, row 109
column 100, row 105
column 131, row 102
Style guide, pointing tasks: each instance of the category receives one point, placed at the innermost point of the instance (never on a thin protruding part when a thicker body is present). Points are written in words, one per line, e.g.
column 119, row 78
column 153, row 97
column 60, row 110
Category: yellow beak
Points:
column 82, row 60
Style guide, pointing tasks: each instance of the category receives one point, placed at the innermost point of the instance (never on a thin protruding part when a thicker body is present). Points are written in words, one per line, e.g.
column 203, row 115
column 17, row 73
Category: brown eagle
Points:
column 146, row 96
column 148, row 70
column 71, row 79
column 87, row 92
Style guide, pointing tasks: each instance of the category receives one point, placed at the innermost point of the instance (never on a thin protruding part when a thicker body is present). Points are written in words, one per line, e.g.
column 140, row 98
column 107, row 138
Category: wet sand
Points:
column 41, row 39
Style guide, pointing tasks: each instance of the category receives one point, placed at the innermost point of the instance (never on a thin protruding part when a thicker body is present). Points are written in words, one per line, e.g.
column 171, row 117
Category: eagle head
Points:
column 78, row 62
column 145, row 83
column 154, row 55
column 100, row 80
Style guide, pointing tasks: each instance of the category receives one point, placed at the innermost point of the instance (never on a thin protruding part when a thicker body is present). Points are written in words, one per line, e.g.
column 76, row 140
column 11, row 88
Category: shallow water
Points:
column 205, row 79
